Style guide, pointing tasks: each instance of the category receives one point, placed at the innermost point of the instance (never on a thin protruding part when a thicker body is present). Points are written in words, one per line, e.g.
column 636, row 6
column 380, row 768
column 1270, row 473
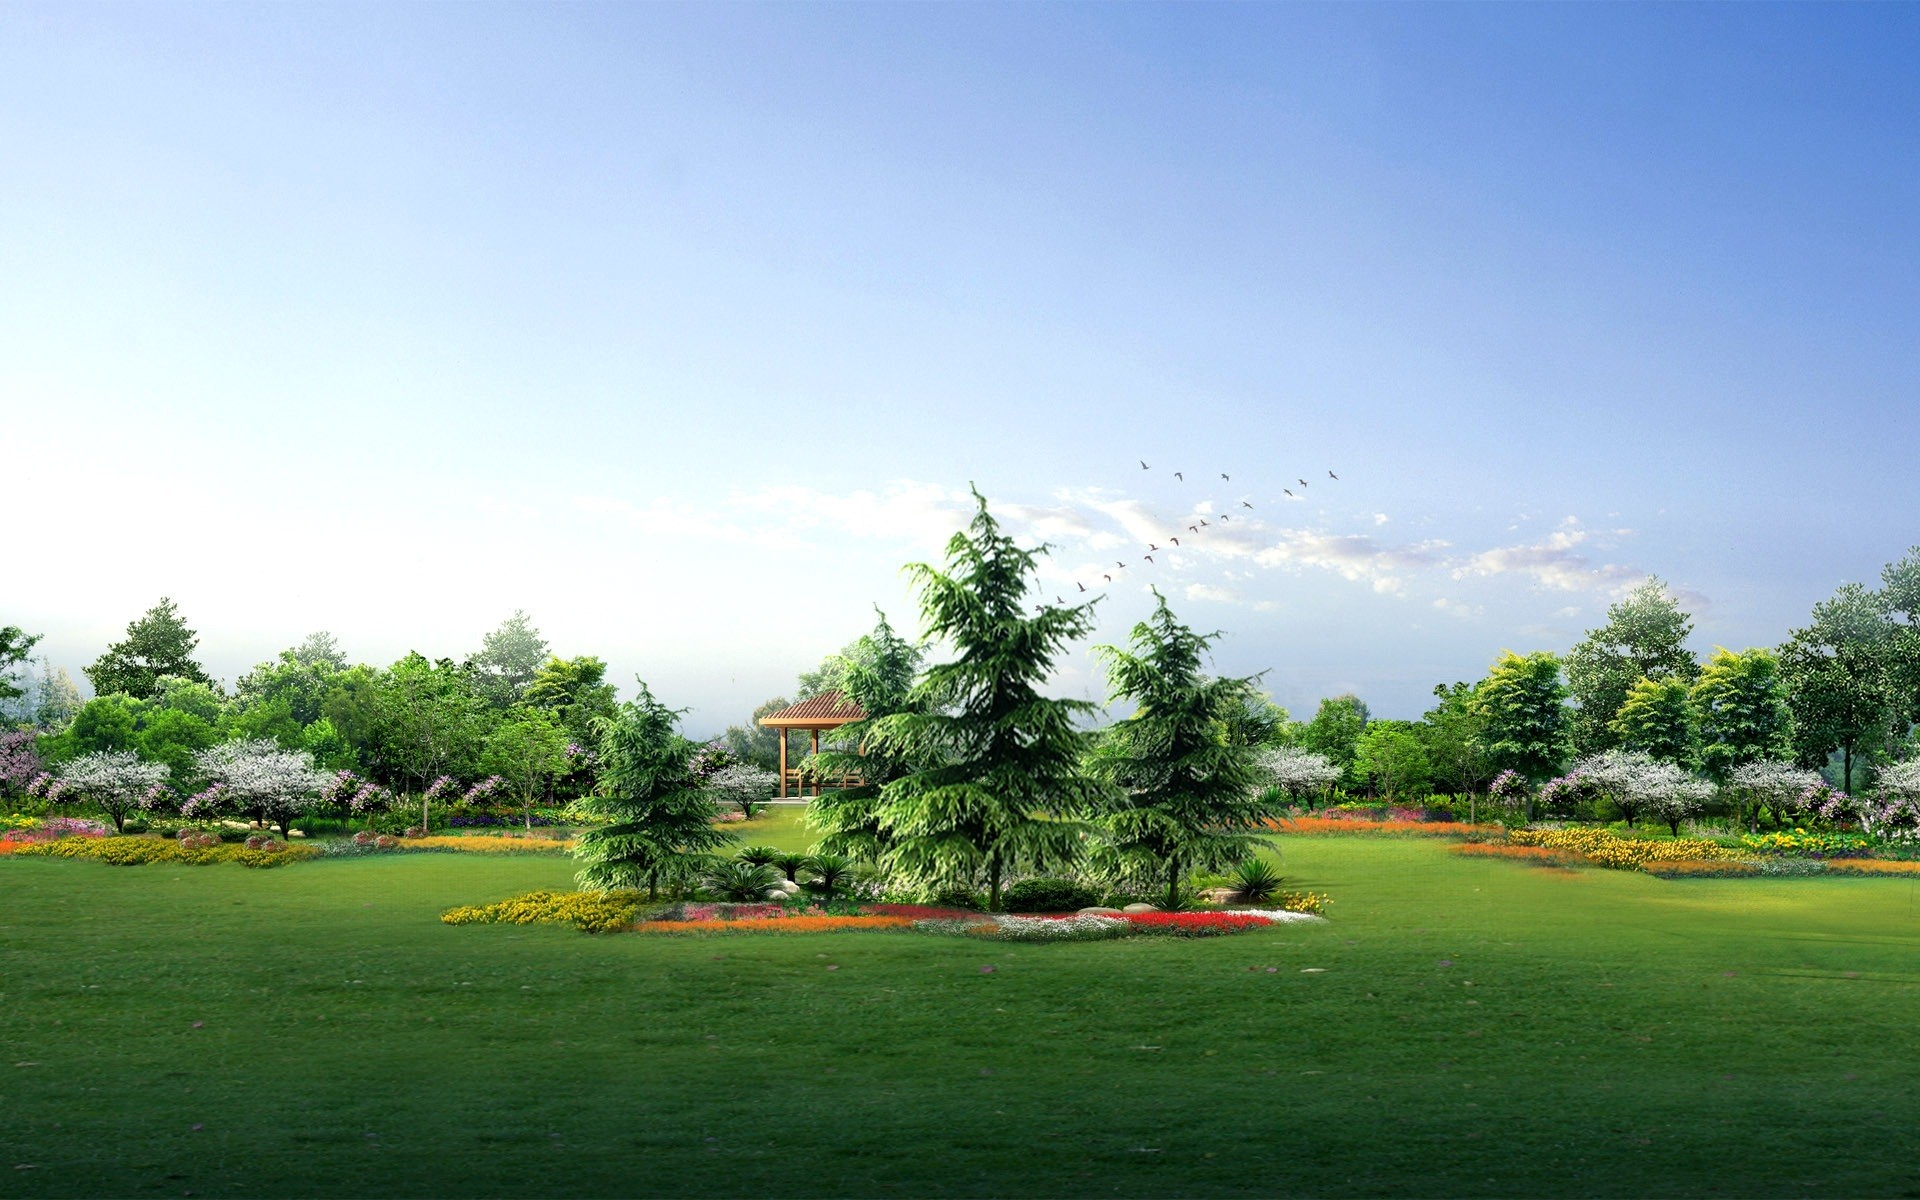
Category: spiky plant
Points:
column 828, row 873
column 1255, row 881
column 758, row 855
column 733, row 879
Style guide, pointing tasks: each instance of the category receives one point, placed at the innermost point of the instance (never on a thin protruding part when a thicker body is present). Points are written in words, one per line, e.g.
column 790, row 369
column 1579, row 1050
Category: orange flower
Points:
column 781, row 925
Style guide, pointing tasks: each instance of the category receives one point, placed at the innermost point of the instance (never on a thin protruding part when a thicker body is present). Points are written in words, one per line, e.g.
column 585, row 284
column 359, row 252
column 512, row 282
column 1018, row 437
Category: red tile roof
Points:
column 817, row 712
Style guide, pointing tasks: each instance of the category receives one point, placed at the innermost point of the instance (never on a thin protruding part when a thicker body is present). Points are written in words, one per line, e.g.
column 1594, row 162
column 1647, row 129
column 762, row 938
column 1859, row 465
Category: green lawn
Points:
column 314, row 1030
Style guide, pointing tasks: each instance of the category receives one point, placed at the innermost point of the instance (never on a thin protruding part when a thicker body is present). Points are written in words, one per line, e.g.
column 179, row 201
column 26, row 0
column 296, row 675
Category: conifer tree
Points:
column 995, row 773
column 157, row 644
column 660, row 815
column 1186, row 793
column 877, row 672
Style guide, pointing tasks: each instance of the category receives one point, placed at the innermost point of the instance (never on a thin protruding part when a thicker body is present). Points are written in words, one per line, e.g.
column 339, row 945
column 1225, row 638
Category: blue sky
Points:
column 682, row 328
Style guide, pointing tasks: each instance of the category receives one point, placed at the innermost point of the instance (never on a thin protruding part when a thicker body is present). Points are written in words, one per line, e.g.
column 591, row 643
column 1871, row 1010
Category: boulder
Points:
column 1138, row 908
column 1219, row 895
column 1098, row 911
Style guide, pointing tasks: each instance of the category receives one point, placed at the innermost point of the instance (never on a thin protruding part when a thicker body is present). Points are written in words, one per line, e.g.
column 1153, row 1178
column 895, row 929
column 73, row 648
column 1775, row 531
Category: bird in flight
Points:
column 1203, row 523
column 1108, row 578
column 1149, row 558
column 1180, row 477
column 1119, row 564
column 1152, row 547
column 1081, row 586
column 1058, row 600
column 1244, row 504
column 1226, row 477
column 1225, row 517
column 1144, row 466
column 1193, row 529
column 1175, row 541
column 1331, row 475
column 1303, row 483
column 1288, row 491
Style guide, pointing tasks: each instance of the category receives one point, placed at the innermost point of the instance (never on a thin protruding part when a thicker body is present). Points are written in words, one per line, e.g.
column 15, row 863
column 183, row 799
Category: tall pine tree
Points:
column 660, row 816
column 1186, row 793
column 157, row 644
column 995, row 776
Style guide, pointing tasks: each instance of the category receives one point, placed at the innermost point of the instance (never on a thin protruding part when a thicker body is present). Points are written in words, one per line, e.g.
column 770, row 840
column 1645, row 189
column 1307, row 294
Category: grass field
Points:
column 1467, row 1028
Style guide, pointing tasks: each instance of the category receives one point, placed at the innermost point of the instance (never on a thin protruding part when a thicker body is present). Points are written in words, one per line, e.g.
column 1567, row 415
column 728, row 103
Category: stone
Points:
column 1138, row 908
column 1099, row 911
column 1219, row 895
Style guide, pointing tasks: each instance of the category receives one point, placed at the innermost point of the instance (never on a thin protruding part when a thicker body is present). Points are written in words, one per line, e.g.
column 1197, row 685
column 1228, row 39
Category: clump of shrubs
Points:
column 1045, row 895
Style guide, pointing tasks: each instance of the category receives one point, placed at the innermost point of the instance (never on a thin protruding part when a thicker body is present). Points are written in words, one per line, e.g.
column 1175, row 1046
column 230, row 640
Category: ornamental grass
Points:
column 1321, row 826
column 139, row 851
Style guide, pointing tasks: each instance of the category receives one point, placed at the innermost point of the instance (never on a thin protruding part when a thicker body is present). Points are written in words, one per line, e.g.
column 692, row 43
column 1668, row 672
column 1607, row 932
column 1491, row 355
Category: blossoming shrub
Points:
column 594, row 912
column 1608, row 849
column 1078, row 928
column 1313, row 903
column 138, row 851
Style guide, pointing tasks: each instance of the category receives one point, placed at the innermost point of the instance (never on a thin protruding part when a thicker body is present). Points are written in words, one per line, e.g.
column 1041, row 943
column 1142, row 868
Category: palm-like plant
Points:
column 1255, row 881
column 759, row 856
column 791, row 864
column 737, row 879
column 828, row 873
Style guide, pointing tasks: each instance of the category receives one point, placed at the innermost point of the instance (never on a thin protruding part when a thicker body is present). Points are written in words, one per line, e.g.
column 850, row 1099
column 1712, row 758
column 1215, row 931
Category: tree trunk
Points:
column 993, row 884
column 1173, row 884
column 1847, row 758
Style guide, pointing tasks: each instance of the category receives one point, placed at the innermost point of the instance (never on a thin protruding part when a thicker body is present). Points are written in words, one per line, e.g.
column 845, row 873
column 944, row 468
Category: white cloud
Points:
column 1379, row 518
column 1554, row 563
column 1203, row 591
column 1454, row 608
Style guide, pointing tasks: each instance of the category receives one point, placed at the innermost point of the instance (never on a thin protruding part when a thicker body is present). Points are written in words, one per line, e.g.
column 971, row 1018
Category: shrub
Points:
column 1048, row 895
column 1711, row 868
column 1255, row 881
column 734, row 879
column 138, row 851
column 591, row 912
column 1087, row 928
column 1872, row 866
column 1803, row 843
column 761, row 856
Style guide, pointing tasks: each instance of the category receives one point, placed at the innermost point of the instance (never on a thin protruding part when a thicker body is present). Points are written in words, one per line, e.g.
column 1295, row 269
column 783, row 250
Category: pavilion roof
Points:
column 828, row 710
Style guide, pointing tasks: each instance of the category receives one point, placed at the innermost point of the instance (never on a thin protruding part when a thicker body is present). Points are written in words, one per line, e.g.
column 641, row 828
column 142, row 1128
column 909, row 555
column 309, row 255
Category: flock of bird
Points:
column 1196, row 530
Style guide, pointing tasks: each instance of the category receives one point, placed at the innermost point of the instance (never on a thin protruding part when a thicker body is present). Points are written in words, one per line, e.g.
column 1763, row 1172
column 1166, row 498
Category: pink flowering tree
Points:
column 20, row 763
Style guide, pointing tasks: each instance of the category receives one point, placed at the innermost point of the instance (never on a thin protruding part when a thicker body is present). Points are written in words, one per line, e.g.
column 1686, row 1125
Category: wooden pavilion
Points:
column 828, row 710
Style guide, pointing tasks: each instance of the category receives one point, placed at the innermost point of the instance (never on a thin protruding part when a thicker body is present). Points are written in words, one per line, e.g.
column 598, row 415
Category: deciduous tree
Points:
column 1657, row 719
column 1740, row 711
column 1644, row 638
column 158, row 643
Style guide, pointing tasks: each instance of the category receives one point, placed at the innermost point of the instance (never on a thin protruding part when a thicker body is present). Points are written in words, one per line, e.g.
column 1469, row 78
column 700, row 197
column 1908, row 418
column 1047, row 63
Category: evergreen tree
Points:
column 509, row 659
column 1644, row 638
column 1523, row 704
column 992, row 759
column 157, row 644
column 876, row 672
column 14, row 645
column 660, row 816
column 1186, row 791
column 1657, row 720
column 1740, row 710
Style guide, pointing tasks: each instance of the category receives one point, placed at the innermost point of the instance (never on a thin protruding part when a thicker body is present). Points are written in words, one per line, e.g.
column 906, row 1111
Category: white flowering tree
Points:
column 117, row 782
column 743, row 786
column 1641, row 785
column 1299, row 773
column 1898, row 791
column 261, row 778
column 1772, row 784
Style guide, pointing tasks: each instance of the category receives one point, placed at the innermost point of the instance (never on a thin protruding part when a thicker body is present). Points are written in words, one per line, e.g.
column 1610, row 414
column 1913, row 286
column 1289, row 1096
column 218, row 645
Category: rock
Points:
column 1219, row 895
column 1098, row 911
column 1139, row 908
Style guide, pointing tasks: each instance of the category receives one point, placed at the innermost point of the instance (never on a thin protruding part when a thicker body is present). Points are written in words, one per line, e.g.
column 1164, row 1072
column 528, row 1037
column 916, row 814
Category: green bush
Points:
column 1048, row 896
column 1255, row 881
column 957, row 896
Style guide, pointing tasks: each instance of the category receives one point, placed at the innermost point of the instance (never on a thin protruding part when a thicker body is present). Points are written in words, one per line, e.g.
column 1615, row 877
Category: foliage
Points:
column 828, row 873
column 510, row 658
column 1048, row 895
column 591, row 912
column 528, row 750
column 1812, row 844
column 876, row 672
column 1839, row 689
column 1657, row 719
column 1770, row 784
column 660, row 817
column 1335, row 729
column 758, row 855
column 158, row 643
column 1255, row 881
column 993, row 775
column 114, row 781
column 1453, row 733
column 1392, row 761
column 1638, row 784
column 20, row 762
column 426, row 719
column 1644, row 638
column 732, row 879
column 299, row 677
column 1523, row 705
column 15, row 644
column 1740, row 711
column 1184, row 794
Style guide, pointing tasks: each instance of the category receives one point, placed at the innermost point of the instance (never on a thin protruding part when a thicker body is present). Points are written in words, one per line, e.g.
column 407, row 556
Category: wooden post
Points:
column 783, row 762
column 816, row 750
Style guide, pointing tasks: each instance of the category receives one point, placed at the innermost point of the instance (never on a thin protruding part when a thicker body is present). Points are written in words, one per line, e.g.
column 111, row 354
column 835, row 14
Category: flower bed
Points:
column 139, row 851
column 487, row 845
column 1872, row 866
column 1708, row 868
column 801, row 924
column 593, row 912
column 1322, row 826
column 1538, row 856
column 1809, row 844
column 1607, row 849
